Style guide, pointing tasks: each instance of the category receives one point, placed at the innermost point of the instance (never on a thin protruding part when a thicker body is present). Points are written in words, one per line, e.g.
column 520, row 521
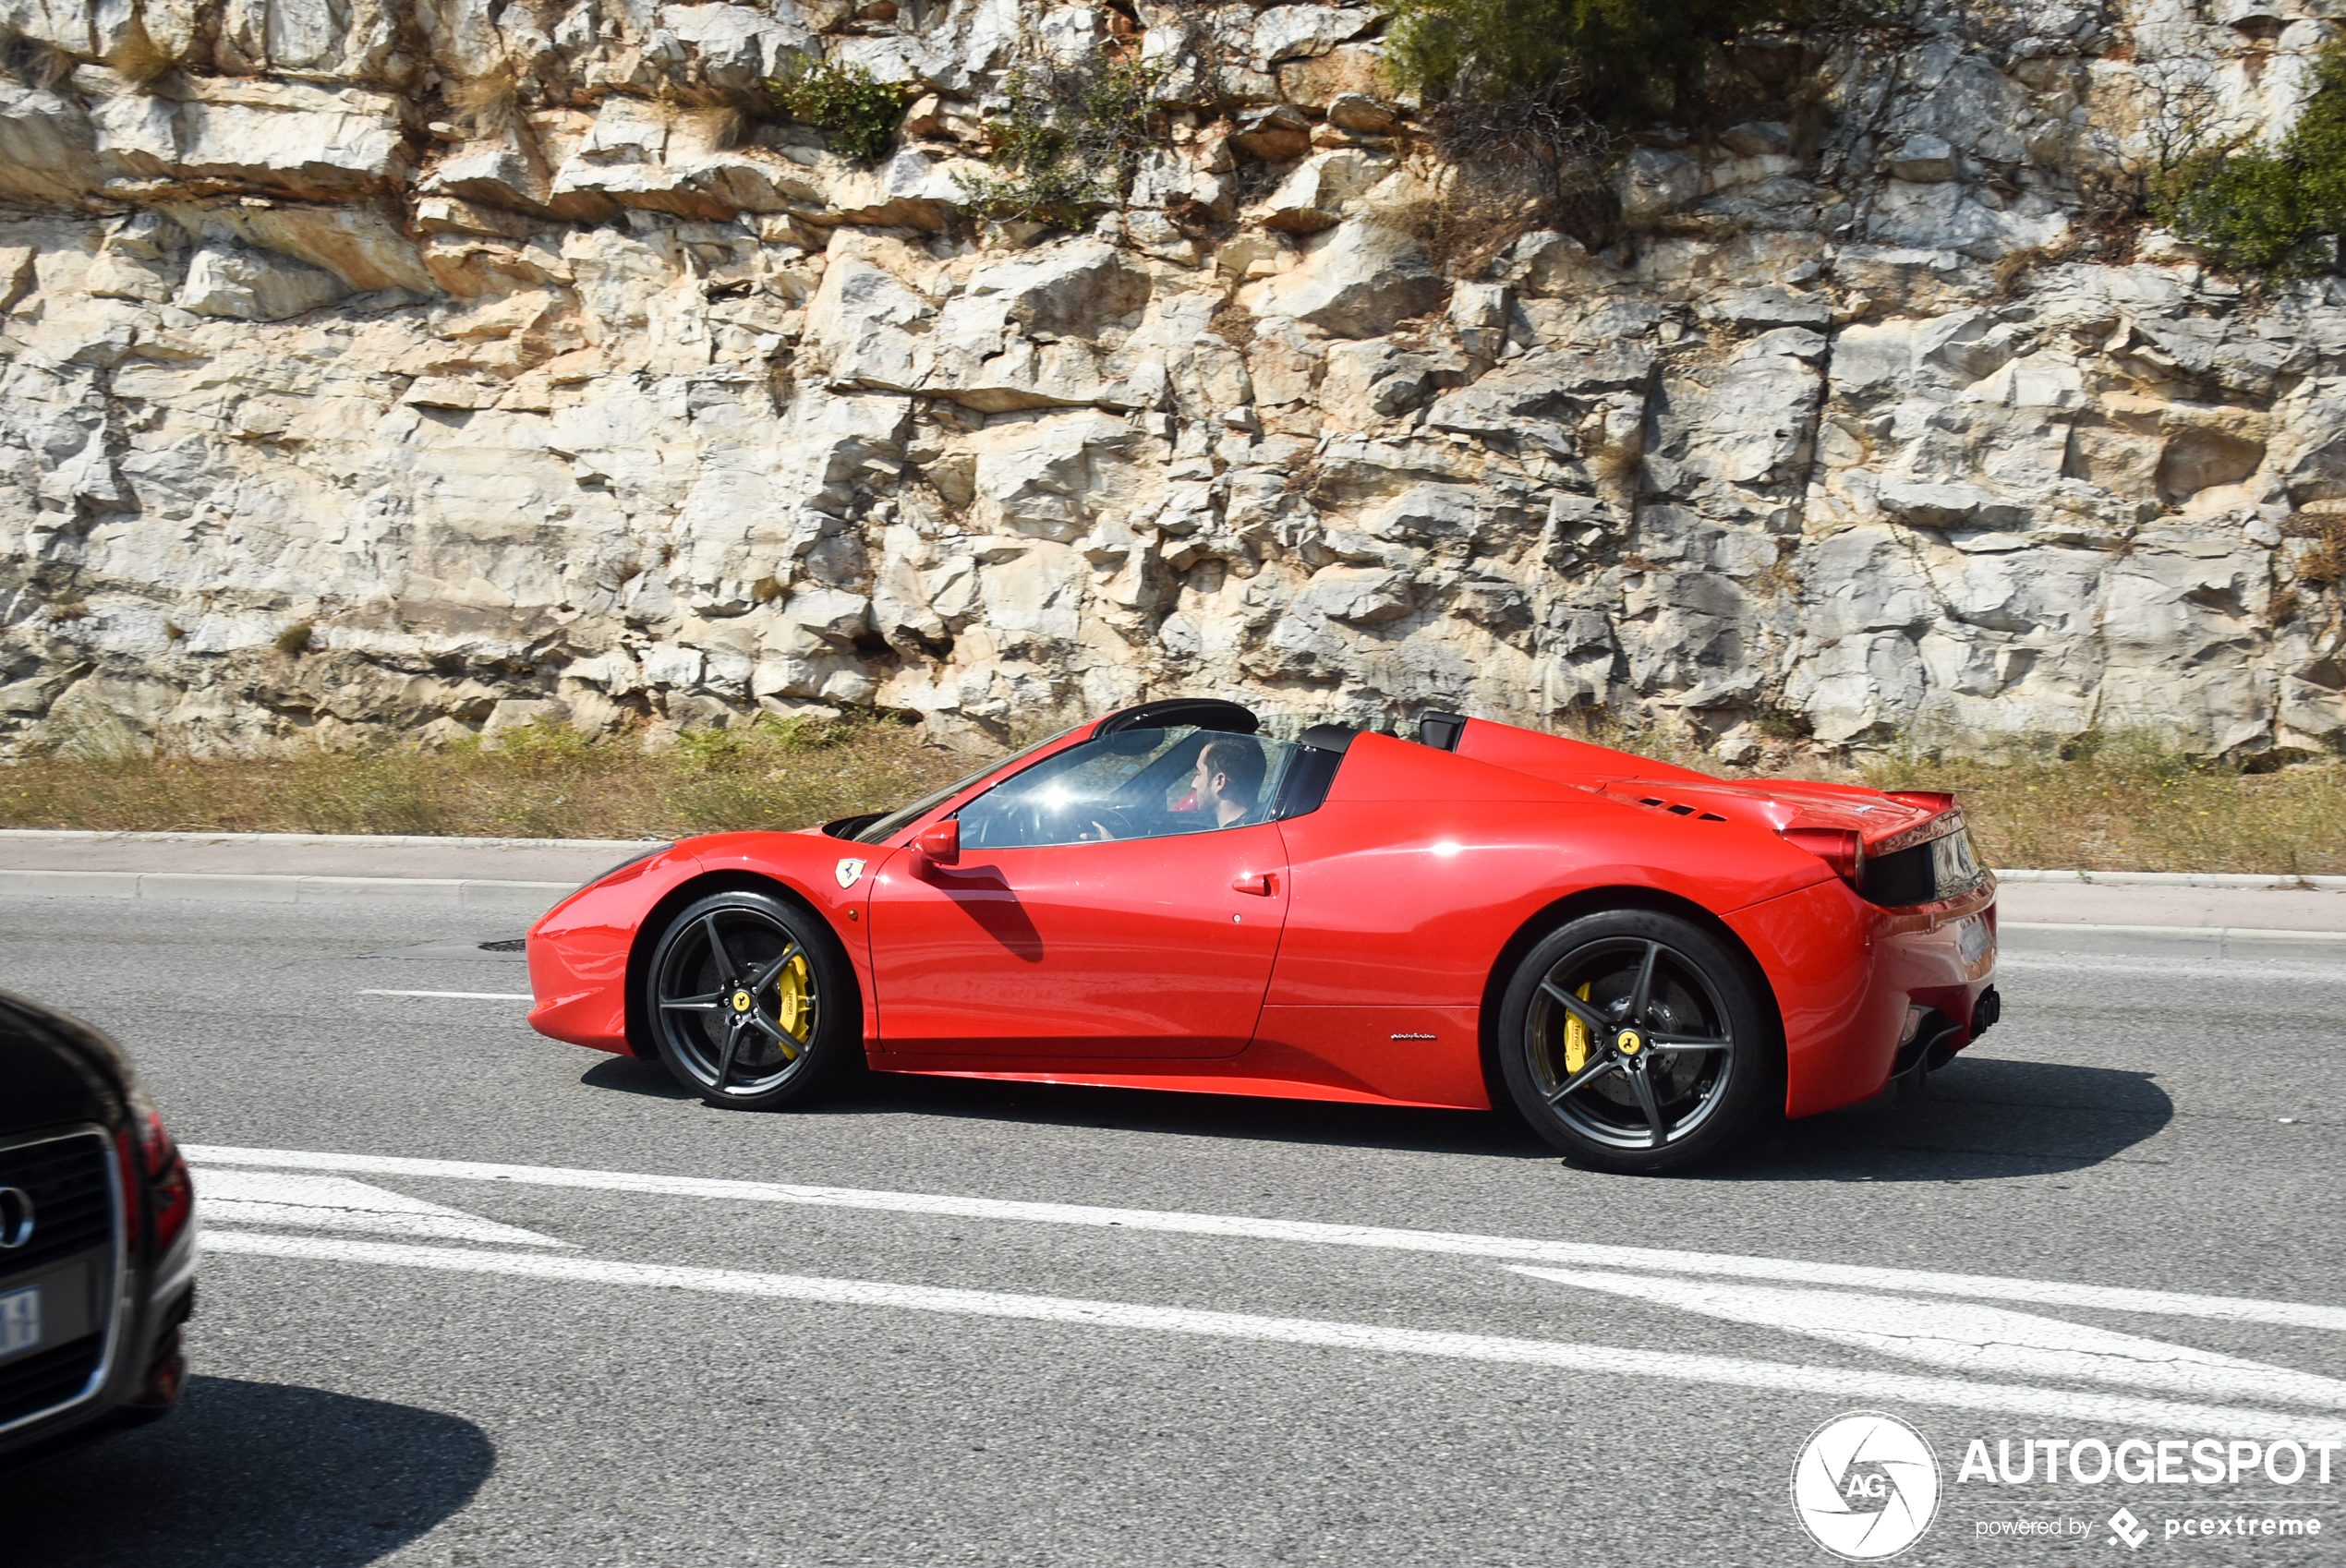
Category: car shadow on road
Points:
column 1133, row 1110
column 248, row 1475
column 632, row 1075
column 1978, row 1118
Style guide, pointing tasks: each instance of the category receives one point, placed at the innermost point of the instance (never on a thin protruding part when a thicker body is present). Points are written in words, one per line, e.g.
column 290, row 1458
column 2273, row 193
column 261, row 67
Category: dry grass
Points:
column 2127, row 801
column 486, row 105
column 2119, row 803
column 2131, row 803
column 547, row 781
column 139, row 59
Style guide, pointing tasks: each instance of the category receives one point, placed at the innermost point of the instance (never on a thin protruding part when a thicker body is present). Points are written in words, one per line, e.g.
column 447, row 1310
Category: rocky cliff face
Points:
column 411, row 366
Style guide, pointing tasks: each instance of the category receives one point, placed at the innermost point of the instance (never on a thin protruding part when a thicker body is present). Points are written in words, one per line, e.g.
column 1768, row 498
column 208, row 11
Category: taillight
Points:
column 173, row 1192
column 1840, row 848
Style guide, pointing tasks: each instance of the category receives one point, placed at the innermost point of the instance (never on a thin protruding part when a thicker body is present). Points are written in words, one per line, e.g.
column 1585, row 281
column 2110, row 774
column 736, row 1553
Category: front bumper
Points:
column 129, row 1368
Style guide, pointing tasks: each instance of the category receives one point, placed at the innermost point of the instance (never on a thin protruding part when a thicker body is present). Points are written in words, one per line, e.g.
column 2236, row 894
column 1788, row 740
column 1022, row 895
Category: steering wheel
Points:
column 1038, row 822
column 1113, row 822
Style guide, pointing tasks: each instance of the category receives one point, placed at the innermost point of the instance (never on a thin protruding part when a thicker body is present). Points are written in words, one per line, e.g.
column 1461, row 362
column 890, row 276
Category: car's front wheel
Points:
column 750, row 1001
column 1635, row 1041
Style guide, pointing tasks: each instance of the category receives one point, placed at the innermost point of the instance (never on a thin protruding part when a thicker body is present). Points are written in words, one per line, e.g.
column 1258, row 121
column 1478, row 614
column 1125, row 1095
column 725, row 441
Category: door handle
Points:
column 1259, row 883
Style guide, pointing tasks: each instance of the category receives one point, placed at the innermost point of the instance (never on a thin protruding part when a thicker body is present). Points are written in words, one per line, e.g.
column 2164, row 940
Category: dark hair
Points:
column 1239, row 758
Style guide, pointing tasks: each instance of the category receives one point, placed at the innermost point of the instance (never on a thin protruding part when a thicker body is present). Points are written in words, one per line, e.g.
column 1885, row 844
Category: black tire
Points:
column 751, row 1003
column 1658, row 1093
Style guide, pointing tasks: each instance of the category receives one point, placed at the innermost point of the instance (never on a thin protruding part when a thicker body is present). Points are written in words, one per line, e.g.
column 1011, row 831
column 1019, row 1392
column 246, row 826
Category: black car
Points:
column 97, row 1239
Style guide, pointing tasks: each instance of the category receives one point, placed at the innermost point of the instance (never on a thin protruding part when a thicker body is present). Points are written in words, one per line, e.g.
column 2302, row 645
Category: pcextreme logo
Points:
column 1866, row 1486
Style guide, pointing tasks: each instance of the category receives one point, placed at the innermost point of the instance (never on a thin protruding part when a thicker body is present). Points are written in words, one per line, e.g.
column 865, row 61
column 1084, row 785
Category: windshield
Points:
column 1133, row 784
column 903, row 816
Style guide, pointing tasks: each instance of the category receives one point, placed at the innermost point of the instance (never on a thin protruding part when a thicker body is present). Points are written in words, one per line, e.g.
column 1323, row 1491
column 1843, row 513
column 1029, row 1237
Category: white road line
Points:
column 1965, row 1336
column 461, row 995
column 2042, row 1403
column 2048, row 1293
column 325, row 1202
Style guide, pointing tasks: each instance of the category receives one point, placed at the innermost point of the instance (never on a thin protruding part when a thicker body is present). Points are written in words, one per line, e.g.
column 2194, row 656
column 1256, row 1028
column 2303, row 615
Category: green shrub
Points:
column 859, row 115
column 1613, row 59
column 1065, row 147
column 2278, row 210
column 1528, row 100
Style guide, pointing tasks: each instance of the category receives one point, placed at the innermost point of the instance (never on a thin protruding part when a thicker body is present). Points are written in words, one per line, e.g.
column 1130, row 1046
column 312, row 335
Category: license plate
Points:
column 19, row 1320
column 1974, row 940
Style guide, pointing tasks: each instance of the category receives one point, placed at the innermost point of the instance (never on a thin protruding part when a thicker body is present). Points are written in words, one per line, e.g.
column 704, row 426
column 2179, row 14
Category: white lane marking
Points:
column 2048, row 1293
column 324, row 1202
column 461, row 995
column 1963, row 1337
column 1732, row 1371
column 2180, row 968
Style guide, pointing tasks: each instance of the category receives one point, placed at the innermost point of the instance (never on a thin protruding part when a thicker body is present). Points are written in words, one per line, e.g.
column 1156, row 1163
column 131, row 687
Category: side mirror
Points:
column 940, row 845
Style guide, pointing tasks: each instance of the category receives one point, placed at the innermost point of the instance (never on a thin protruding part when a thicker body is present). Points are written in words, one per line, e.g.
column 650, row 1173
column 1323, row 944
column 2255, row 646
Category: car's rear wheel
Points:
column 750, row 1001
column 1635, row 1041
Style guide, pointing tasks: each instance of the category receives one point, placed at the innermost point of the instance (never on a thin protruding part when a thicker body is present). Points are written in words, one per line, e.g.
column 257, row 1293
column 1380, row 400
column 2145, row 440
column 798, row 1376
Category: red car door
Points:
column 1142, row 948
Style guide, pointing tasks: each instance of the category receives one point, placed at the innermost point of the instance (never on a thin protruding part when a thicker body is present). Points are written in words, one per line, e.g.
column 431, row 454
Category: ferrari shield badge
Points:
column 848, row 872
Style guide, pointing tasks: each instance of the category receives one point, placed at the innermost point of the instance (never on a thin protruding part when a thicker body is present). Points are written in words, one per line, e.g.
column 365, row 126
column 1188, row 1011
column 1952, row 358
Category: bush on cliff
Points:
column 1527, row 99
column 2277, row 210
column 1614, row 60
column 858, row 113
column 1064, row 147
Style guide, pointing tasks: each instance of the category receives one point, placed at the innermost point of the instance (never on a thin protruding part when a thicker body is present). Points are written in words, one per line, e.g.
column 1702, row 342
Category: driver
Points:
column 1229, row 777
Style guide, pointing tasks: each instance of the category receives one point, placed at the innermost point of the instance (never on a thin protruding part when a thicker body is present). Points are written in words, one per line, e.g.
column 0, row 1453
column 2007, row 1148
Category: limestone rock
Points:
column 254, row 285
column 1654, row 180
column 1923, row 160
column 1273, row 134
column 527, row 357
column 1361, row 281
column 1315, row 196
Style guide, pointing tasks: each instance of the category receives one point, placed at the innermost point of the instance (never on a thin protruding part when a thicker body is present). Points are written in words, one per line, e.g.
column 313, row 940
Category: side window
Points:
column 1133, row 784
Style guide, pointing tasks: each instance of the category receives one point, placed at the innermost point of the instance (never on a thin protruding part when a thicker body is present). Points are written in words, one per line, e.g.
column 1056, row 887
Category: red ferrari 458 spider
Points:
column 1645, row 960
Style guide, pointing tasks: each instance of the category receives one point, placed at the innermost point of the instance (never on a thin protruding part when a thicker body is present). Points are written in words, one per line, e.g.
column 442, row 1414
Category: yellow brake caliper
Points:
column 794, row 1001
column 1576, row 1040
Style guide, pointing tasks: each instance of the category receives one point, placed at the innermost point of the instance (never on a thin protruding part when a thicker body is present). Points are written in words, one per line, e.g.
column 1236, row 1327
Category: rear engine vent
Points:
column 1680, row 810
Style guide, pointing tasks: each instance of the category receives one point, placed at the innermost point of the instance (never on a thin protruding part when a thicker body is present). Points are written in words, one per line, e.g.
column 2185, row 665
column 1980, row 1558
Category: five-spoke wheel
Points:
column 1635, row 1041
column 748, row 999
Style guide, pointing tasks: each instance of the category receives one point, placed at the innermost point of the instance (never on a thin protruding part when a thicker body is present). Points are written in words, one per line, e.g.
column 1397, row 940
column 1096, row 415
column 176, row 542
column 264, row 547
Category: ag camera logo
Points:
column 1866, row 1486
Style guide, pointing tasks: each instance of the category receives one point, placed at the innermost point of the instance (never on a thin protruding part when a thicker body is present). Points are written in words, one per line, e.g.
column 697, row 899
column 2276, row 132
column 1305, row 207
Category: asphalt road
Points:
column 914, row 1380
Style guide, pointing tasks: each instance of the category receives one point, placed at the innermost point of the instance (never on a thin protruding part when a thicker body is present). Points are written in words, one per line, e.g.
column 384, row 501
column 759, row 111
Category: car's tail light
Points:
column 172, row 1191
column 1839, row 848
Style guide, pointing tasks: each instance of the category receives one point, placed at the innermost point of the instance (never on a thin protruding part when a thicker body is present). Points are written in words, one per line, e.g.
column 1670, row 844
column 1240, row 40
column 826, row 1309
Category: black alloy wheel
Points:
column 750, row 1001
column 1635, row 1041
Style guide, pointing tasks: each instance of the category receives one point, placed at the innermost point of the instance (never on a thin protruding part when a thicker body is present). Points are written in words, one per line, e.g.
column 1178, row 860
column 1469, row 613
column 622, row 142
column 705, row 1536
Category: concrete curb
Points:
column 2181, row 879
column 2030, row 938
column 345, row 840
column 462, row 893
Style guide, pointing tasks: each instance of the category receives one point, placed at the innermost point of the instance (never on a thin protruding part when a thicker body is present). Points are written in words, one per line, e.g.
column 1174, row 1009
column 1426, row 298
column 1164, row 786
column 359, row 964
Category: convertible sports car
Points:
column 1644, row 960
